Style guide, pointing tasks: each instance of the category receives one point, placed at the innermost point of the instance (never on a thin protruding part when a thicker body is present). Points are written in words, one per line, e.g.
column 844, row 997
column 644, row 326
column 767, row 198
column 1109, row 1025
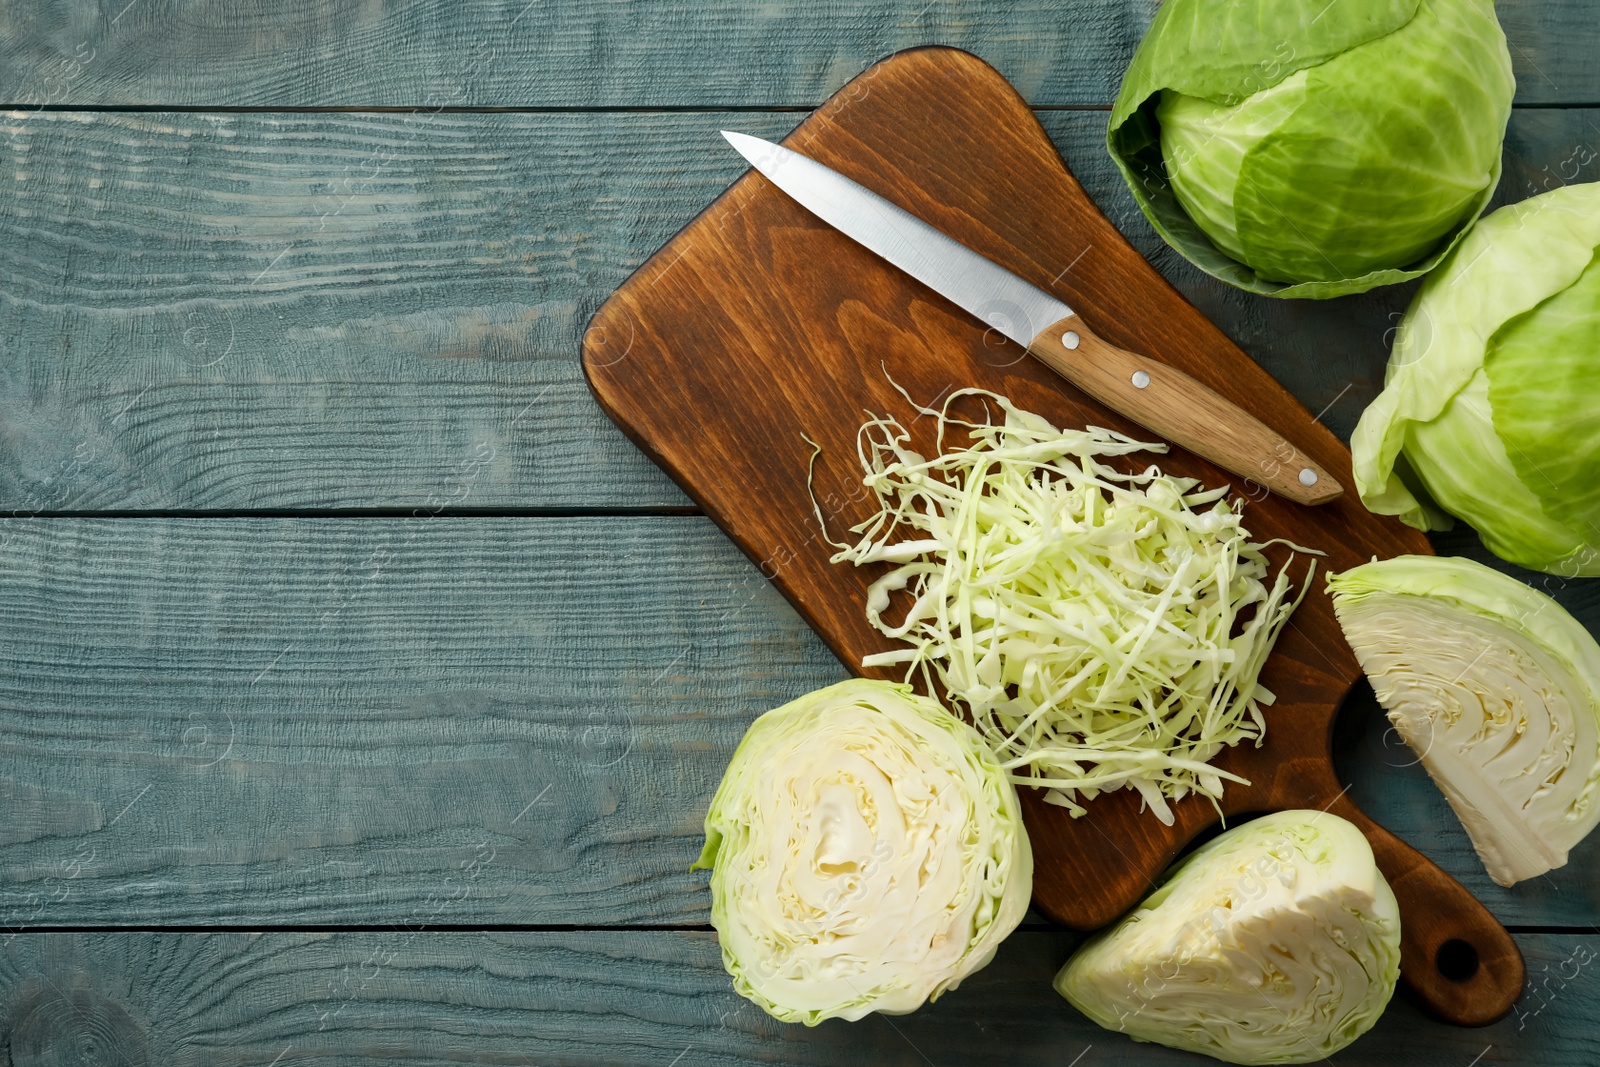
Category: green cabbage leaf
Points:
column 1297, row 148
column 1488, row 411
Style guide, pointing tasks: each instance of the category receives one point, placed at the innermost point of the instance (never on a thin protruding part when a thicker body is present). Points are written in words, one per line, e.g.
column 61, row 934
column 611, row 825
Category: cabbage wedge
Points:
column 1277, row 942
column 867, row 853
column 1496, row 688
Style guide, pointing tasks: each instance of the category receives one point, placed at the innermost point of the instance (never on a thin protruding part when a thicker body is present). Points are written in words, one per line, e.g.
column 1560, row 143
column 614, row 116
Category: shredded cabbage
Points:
column 1103, row 630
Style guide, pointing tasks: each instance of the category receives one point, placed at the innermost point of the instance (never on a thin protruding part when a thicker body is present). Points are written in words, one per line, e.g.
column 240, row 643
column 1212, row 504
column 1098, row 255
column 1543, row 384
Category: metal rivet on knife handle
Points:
column 1184, row 411
column 1169, row 403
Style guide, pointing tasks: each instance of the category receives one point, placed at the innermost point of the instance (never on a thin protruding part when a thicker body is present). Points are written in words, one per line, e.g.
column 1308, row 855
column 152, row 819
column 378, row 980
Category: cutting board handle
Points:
column 759, row 322
column 1456, row 959
column 1163, row 399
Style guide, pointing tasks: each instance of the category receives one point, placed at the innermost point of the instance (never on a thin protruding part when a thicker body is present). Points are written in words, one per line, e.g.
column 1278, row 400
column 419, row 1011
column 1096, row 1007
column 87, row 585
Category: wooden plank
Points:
column 587, row 53
column 346, row 721
column 637, row 997
column 321, row 311
column 333, row 311
column 375, row 721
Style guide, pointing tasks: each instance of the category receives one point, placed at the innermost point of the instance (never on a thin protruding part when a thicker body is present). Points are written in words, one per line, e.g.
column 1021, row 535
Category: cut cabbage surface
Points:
column 867, row 853
column 1494, row 686
column 1278, row 942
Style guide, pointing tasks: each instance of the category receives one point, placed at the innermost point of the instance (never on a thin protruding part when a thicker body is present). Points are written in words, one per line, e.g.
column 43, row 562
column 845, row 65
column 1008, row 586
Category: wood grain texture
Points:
column 611, row 997
column 308, row 311
column 334, row 311
column 586, row 53
column 439, row 675
column 1177, row 408
column 316, row 311
column 682, row 356
column 374, row 721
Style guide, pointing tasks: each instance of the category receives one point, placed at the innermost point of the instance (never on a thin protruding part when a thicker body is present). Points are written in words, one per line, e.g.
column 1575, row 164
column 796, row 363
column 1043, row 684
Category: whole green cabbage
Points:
column 1489, row 408
column 867, row 853
column 1302, row 148
column 1278, row 942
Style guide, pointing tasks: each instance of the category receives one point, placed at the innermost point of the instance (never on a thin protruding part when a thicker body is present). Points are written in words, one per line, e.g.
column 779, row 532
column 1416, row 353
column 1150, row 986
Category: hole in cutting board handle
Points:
column 1457, row 960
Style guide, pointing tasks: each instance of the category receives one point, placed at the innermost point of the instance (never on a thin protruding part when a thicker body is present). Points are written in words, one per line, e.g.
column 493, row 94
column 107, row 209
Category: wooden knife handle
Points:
column 1168, row 402
column 1456, row 960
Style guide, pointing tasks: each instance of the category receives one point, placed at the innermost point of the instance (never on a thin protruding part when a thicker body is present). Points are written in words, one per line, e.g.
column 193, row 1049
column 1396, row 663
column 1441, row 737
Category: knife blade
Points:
column 1153, row 394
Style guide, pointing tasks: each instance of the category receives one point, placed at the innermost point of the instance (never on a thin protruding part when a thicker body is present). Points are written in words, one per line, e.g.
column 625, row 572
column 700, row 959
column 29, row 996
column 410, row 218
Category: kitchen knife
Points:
column 1157, row 396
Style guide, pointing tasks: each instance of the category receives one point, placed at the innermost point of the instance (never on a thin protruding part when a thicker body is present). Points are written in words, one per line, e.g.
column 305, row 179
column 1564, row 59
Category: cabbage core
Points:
column 867, row 853
column 1494, row 686
column 1278, row 942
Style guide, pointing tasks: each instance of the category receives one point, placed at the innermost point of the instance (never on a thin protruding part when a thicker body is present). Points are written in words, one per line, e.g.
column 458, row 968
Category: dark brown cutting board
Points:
column 757, row 324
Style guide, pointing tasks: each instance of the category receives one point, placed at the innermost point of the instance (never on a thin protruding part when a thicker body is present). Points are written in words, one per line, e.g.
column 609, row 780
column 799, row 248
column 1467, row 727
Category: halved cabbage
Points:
column 867, row 853
column 1495, row 687
column 1278, row 942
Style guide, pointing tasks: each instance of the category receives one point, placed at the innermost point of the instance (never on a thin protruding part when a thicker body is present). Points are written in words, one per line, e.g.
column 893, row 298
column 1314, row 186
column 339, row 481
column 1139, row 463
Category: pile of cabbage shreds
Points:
column 1103, row 630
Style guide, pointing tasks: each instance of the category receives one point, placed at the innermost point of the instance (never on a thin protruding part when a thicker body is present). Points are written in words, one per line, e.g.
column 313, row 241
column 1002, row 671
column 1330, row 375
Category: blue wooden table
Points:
column 361, row 688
